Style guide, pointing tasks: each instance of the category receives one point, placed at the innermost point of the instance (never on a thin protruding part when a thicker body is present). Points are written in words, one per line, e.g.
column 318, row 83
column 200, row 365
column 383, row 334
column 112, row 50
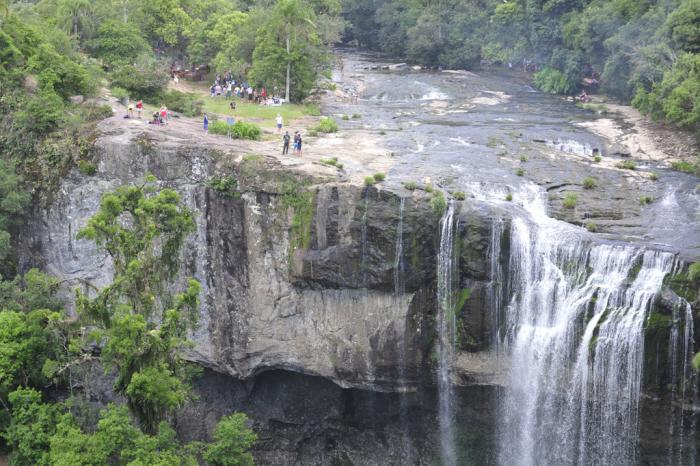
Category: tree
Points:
column 118, row 43
column 232, row 442
column 145, row 328
column 76, row 14
column 13, row 201
column 29, row 433
column 684, row 26
column 290, row 28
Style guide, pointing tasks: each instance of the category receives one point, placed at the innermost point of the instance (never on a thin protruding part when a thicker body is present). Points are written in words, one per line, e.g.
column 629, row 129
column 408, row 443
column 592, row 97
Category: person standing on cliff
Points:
column 285, row 143
column 279, row 122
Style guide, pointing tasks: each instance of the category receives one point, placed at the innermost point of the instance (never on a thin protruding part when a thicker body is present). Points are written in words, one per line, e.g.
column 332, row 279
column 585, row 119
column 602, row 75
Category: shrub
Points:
column 597, row 158
column 379, row 177
column 627, row 165
column 339, row 166
column 439, row 202
column 694, row 272
column 332, row 161
column 239, row 130
column 523, row 158
column 520, row 172
column 685, row 167
column 644, row 200
column 326, row 125
column 410, row 185
column 592, row 227
column 570, row 200
column 345, row 118
column 355, row 116
column 509, row 197
column 382, row 133
column 428, row 188
column 589, row 183
column 554, row 82
column 459, row 195
column 369, row 180
column 120, row 94
column 143, row 79
column 653, row 176
column 86, row 168
column 225, row 185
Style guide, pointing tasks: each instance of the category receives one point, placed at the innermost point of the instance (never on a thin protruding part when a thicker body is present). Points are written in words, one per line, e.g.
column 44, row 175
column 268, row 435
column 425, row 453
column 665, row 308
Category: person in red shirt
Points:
column 139, row 108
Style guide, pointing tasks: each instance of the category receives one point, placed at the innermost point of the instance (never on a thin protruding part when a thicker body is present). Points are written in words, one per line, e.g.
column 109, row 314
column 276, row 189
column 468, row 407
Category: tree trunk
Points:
column 289, row 67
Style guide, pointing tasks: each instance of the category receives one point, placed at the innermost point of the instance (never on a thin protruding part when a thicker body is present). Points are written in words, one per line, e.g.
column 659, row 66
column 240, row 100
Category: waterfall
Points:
column 398, row 290
column 574, row 330
column 398, row 253
column 446, row 337
column 363, row 234
column 496, row 279
column 683, row 390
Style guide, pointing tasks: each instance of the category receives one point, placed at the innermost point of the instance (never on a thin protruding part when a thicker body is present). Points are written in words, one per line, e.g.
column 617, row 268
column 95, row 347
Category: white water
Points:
column 574, row 330
column 446, row 337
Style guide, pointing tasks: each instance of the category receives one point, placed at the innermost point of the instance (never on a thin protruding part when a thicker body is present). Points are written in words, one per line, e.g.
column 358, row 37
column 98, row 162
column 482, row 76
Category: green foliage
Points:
column 333, row 161
column 653, row 176
column 676, row 97
column 410, row 185
column 238, row 130
column 379, row 177
column 554, row 82
column 87, row 168
column 570, row 200
column 369, row 180
column 597, row 158
column 232, row 442
column 145, row 351
column 225, row 185
column 523, row 158
column 439, row 203
column 356, row 116
column 520, row 172
column 13, row 200
column 684, row 26
column 686, row 167
column 145, row 78
column 592, row 227
column 459, row 195
column 34, row 290
column 509, row 197
column 644, row 200
column 326, row 125
column 188, row 104
column 345, row 118
column 590, row 183
column 29, row 433
column 428, row 188
column 694, row 272
column 118, row 43
column 297, row 197
column 627, row 165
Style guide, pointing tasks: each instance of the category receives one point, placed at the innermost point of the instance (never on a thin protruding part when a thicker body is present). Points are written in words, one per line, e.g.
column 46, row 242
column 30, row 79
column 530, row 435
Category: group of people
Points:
column 160, row 116
column 297, row 143
column 130, row 109
column 229, row 87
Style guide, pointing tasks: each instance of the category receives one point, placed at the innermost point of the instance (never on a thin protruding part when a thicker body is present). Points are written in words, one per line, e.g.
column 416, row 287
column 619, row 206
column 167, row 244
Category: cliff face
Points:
column 313, row 288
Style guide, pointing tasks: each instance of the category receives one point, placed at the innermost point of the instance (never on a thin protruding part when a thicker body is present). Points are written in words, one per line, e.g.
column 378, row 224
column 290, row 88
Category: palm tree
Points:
column 293, row 18
column 74, row 13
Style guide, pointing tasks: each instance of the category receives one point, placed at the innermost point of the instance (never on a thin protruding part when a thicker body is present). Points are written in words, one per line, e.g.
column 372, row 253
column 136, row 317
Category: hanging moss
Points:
column 657, row 321
column 297, row 197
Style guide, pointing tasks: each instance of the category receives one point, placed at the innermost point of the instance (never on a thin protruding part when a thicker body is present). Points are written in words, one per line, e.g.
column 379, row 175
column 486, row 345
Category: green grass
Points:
column 653, row 176
column 509, row 197
column 520, row 172
column 410, row 185
column 627, row 165
column 592, row 227
column 87, row 168
column 523, row 158
column 240, row 130
column 439, row 203
column 333, row 161
column 345, row 117
column 598, row 108
column 686, row 167
column 459, row 195
column 570, row 200
column 369, row 180
column 590, row 183
column 428, row 188
column 379, row 177
column 355, row 116
column 597, row 158
column 644, row 200
column 260, row 114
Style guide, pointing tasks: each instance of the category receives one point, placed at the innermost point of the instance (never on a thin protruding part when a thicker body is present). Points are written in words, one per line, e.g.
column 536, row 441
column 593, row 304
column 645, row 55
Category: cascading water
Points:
column 363, row 258
column 446, row 336
column 574, row 331
column 398, row 290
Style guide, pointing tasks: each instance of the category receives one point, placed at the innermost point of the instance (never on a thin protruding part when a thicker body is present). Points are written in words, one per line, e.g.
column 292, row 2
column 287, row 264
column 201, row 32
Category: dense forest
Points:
column 60, row 58
column 643, row 51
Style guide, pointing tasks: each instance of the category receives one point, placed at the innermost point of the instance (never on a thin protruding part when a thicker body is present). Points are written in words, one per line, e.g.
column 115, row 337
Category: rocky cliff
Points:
column 318, row 295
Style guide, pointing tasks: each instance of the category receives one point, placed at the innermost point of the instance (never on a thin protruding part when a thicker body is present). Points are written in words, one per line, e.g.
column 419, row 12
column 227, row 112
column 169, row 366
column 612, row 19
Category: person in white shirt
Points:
column 279, row 123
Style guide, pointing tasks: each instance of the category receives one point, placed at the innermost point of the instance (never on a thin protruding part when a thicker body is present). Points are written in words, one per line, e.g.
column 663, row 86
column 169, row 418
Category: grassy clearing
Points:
column 263, row 115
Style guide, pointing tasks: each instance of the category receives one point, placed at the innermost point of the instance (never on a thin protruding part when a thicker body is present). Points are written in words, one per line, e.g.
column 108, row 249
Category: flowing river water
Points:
column 570, row 316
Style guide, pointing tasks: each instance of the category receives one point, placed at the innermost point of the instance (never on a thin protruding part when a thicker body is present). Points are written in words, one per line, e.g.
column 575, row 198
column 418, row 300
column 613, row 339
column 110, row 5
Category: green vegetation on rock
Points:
column 570, row 200
column 439, row 203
